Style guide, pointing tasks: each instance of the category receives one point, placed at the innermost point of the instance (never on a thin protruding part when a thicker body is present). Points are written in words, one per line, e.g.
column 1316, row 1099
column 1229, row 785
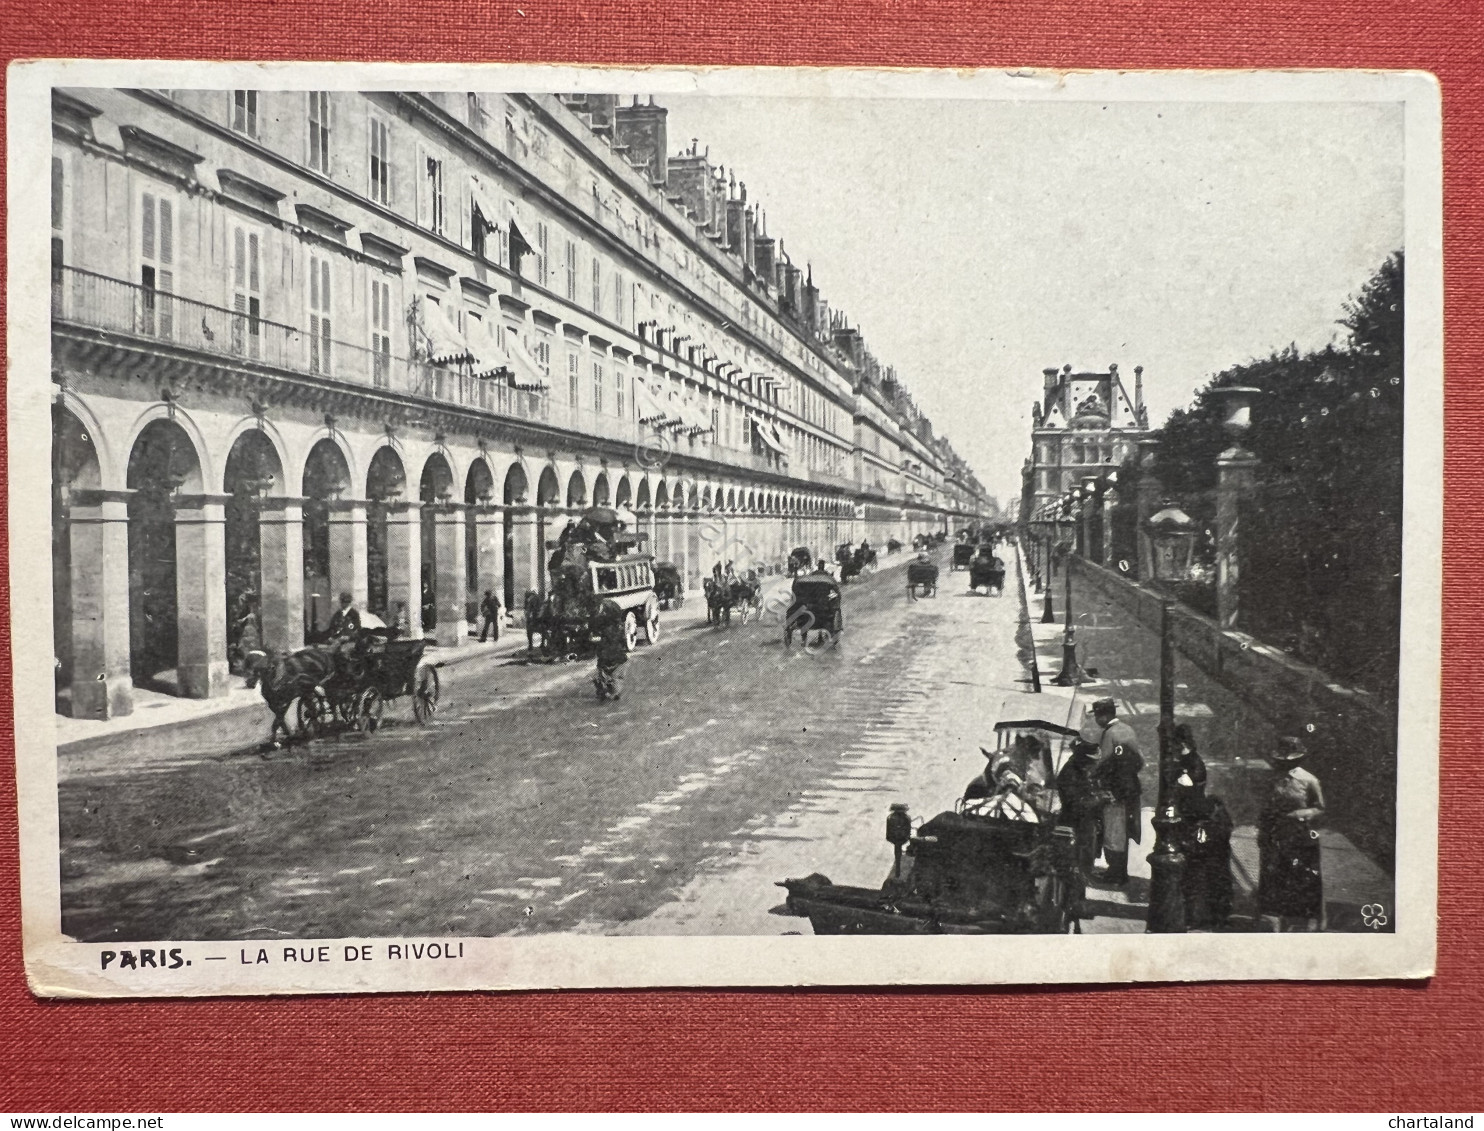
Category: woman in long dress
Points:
column 1290, row 887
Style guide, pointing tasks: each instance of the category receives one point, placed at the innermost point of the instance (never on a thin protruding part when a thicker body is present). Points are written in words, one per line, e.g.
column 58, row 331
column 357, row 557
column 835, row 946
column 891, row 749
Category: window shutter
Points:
column 147, row 228
column 239, row 257
column 167, row 236
column 424, row 215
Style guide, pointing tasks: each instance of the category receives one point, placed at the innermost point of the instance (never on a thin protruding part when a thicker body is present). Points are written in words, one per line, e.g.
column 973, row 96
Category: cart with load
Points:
column 815, row 608
column 997, row 863
column 922, row 578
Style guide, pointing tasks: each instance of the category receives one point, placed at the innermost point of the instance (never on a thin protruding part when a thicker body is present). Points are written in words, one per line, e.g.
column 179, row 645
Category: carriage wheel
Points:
column 652, row 624
column 425, row 694
column 311, row 714
column 630, row 631
column 369, row 709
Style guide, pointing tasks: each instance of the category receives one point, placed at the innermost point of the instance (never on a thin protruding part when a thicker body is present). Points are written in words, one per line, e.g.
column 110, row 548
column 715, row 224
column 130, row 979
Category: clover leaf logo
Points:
column 1374, row 916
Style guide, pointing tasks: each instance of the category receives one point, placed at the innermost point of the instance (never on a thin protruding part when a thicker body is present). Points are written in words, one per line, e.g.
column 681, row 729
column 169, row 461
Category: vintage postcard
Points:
column 504, row 527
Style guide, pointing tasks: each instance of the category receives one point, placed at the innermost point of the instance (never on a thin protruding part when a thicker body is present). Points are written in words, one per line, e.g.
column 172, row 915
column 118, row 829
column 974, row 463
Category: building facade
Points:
column 389, row 343
column 1084, row 424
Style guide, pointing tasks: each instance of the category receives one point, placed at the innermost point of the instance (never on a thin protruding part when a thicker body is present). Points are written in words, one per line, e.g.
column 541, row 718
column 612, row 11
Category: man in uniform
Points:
column 1117, row 772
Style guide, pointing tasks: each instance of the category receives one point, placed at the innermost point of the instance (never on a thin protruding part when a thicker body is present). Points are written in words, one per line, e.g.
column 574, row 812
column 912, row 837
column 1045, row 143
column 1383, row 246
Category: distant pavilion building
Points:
column 1084, row 424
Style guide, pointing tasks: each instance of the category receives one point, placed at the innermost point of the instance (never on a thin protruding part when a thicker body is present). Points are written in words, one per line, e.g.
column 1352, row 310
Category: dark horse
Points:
column 728, row 593
column 289, row 676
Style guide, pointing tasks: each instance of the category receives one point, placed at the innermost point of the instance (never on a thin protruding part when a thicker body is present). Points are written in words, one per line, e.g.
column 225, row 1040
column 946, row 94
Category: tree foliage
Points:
column 1320, row 541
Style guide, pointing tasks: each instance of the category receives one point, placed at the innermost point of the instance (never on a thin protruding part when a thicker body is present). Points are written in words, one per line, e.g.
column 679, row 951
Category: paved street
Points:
column 729, row 764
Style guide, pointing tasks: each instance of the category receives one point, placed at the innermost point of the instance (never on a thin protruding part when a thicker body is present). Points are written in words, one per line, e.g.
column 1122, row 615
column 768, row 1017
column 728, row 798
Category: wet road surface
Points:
column 528, row 806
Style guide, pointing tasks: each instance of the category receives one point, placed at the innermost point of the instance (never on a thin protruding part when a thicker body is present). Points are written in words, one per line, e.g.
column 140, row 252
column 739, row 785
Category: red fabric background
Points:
column 1320, row 1046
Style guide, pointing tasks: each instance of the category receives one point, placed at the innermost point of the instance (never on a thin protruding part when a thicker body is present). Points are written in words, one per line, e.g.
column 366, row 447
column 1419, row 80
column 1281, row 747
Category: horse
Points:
column 289, row 676
column 718, row 601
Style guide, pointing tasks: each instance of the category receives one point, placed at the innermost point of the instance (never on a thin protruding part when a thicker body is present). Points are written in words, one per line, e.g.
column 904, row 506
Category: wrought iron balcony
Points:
column 151, row 317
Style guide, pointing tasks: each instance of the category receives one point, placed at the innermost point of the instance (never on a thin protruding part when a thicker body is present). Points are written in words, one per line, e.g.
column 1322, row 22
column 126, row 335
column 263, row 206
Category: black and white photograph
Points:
column 541, row 527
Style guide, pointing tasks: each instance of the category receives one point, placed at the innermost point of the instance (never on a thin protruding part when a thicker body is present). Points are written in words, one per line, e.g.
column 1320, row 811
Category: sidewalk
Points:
column 1232, row 736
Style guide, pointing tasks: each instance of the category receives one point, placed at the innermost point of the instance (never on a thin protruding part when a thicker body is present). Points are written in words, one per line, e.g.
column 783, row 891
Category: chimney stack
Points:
column 641, row 130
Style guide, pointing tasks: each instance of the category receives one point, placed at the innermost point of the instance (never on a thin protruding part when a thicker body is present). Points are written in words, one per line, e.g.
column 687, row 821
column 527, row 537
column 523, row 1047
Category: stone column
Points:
column 404, row 564
column 281, row 549
column 450, row 581
column 1235, row 478
column 1147, row 501
column 98, row 529
column 489, row 560
column 201, row 596
column 525, row 563
column 690, row 527
column 347, row 521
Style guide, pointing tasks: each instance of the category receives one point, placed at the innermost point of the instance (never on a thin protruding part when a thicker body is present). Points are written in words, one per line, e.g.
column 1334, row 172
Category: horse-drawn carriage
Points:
column 854, row 560
column 963, row 553
column 349, row 683
column 800, row 560
column 987, row 572
column 997, row 863
column 922, row 578
column 669, row 589
column 815, row 608
column 728, row 593
column 591, row 563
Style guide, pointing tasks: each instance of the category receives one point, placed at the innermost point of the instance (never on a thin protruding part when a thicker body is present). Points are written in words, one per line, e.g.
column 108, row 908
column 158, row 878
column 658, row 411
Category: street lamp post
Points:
column 1173, row 536
column 1071, row 673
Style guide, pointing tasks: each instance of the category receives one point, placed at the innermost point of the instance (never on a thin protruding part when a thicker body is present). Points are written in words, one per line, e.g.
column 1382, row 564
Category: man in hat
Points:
column 489, row 612
column 613, row 651
column 1117, row 773
column 345, row 621
column 1290, row 885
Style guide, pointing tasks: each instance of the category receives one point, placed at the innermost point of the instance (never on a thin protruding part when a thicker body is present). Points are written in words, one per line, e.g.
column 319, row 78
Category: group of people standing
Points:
column 1102, row 798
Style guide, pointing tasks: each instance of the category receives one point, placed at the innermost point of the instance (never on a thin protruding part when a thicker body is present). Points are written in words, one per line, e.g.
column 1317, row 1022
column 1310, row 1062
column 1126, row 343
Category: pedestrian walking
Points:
column 1290, row 886
column 489, row 612
column 1119, row 763
column 613, row 651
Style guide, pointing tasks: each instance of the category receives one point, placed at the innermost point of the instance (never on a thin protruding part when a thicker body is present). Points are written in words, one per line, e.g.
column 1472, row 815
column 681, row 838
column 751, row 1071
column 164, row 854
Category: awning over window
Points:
column 767, row 432
column 490, row 207
column 693, row 416
column 529, row 376
column 489, row 358
column 446, row 345
column 651, row 409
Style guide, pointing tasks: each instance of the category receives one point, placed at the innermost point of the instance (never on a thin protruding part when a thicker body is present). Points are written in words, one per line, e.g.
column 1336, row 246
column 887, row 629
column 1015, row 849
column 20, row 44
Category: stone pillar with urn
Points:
column 1236, row 476
column 1146, row 499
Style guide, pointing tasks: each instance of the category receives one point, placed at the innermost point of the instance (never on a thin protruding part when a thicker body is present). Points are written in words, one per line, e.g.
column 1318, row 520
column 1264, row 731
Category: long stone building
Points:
column 390, row 343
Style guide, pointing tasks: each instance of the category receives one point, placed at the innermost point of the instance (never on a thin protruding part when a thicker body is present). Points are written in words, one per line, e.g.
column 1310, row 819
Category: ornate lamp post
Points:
column 1091, row 500
column 1235, row 475
column 1173, row 536
column 1071, row 672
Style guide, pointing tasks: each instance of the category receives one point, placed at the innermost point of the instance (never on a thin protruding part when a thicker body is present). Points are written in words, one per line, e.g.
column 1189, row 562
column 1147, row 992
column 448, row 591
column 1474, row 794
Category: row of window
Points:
column 607, row 295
